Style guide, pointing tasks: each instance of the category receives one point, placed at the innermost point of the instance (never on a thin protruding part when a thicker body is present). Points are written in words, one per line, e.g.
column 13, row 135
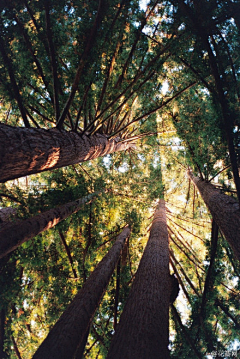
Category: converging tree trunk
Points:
column 25, row 151
column 143, row 330
column 224, row 210
column 67, row 334
column 15, row 233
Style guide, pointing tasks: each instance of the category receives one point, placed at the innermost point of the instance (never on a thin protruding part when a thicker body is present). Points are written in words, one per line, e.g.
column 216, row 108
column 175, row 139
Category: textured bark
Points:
column 81, row 348
column 224, row 210
column 33, row 150
column 16, row 233
column 5, row 215
column 66, row 336
column 143, row 329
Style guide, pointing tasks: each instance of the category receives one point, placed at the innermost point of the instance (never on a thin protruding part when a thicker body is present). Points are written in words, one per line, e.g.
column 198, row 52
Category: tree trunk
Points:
column 15, row 233
column 2, row 332
column 67, row 334
column 143, row 330
column 25, row 151
column 81, row 347
column 6, row 215
column 224, row 210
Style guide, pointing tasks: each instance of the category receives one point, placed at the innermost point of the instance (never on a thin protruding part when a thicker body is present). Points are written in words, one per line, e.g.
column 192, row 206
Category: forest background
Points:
column 106, row 107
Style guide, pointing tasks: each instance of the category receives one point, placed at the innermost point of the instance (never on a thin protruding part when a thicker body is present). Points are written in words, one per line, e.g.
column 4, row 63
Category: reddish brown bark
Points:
column 143, row 329
column 16, row 233
column 224, row 210
column 66, row 336
column 32, row 150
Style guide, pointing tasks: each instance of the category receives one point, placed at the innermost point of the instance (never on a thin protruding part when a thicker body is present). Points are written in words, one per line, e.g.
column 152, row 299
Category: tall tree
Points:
column 67, row 334
column 143, row 330
column 108, row 69
column 224, row 210
column 210, row 24
column 18, row 232
column 25, row 152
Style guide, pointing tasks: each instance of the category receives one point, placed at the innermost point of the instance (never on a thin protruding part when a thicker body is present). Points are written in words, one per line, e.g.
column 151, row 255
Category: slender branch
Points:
column 208, row 281
column 164, row 103
column 120, row 106
column 184, row 273
column 185, row 245
column 184, row 229
column 68, row 253
column 53, row 60
column 31, row 50
column 37, row 27
column 118, row 272
column 83, row 59
column 138, row 76
column 17, row 352
column 226, row 311
column 185, row 331
column 186, row 253
column 12, row 198
column 82, row 105
column 15, row 88
column 225, row 168
column 180, row 280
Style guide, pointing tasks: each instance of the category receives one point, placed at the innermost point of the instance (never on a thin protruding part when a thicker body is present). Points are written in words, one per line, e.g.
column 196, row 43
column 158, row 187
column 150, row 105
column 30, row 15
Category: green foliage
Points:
column 144, row 74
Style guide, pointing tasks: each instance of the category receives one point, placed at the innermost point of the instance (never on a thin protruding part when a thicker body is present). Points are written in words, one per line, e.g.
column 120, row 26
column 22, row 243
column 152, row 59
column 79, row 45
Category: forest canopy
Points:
column 119, row 179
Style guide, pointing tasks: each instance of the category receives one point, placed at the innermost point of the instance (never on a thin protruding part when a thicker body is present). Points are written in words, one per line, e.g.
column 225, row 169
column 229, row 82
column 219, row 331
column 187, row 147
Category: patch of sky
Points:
column 156, row 161
column 181, row 27
column 69, row 10
column 123, row 168
column 176, row 144
column 205, row 91
column 107, row 161
column 141, row 157
column 143, row 4
column 206, row 263
column 165, row 87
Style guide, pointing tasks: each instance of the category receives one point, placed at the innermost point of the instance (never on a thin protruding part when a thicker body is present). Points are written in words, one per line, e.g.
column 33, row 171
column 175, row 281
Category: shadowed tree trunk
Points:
column 15, row 233
column 2, row 332
column 26, row 151
column 224, row 210
column 80, row 350
column 6, row 215
column 70, row 330
column 143, row 329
